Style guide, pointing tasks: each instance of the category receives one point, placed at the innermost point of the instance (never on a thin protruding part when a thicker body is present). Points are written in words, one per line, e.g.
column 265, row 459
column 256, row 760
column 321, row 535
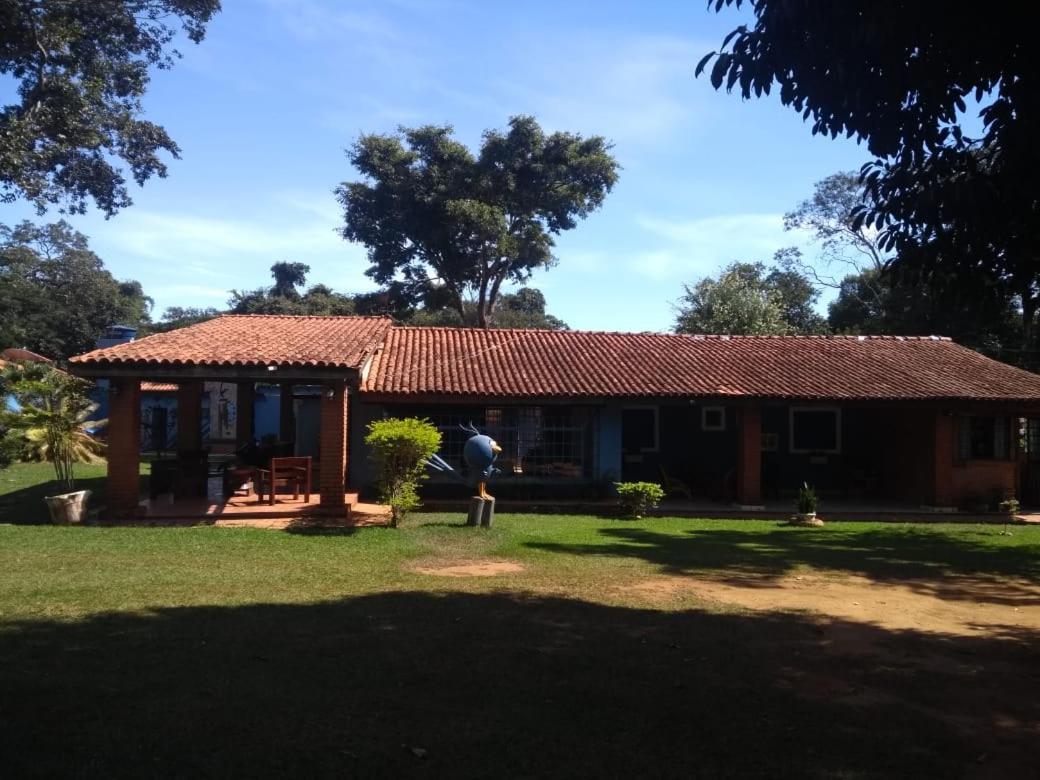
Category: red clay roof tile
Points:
column 539, row 363
column 253, row 340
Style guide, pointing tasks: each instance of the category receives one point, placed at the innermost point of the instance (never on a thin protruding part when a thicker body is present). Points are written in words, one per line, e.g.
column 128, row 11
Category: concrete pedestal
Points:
column 481, row 512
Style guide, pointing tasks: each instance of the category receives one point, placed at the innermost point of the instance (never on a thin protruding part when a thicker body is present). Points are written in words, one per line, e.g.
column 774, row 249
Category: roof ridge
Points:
column 305, row 316
column 695, row 336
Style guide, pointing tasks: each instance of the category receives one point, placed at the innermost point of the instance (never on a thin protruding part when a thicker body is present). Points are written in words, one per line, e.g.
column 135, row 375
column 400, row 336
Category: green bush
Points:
column 807, row 500
column 400, row 448
column 635, row 498
column 1010, row 506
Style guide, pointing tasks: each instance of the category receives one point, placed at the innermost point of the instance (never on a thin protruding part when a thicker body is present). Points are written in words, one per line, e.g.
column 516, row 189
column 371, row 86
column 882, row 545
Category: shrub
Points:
column 1010, row 506
column 400, row 448
column 635, row 498
column 807, row 500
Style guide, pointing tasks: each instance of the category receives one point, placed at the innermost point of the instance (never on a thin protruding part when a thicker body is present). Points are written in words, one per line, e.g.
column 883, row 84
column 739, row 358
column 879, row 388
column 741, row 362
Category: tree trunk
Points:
column 1029, row 306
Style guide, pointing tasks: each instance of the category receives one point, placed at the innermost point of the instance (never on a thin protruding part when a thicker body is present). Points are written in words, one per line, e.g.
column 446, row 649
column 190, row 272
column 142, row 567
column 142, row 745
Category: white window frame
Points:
column 836, row 411
column 704, row 421
column 657, row 425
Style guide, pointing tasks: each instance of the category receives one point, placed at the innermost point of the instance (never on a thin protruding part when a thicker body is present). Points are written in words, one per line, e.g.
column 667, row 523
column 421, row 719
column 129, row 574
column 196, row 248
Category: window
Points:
column 984, row 438
column 713, row 418
column 815, row 429
column 536, row 441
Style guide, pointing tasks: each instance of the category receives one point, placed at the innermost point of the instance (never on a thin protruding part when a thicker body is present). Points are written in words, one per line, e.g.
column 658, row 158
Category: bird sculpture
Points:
column 479, row 453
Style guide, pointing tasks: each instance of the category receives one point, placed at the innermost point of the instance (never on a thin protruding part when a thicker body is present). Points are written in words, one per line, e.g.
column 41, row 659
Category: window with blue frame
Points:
column 541, row 442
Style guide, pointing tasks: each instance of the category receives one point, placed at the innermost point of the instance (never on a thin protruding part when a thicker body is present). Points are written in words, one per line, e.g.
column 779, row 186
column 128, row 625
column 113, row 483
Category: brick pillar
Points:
column 189, row 415
column 243, row 413
column 941, row 463
column 749, row 455
column 124, row 448
column 286, row 415
column 333, row 445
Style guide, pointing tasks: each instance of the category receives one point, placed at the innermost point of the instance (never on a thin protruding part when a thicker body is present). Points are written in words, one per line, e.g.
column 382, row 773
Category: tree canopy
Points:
column 81, row 70
column 523, row 309
column 58, row 297
column 750, row 299
column 432, row 214
column 284, row 296
column 905, row 78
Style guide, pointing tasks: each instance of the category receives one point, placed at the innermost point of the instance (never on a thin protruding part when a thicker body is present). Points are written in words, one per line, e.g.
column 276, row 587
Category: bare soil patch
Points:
column 485, row 568
column 967, row 606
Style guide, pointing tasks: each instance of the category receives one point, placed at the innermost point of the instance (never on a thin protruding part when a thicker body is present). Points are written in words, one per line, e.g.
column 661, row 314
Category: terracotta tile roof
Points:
column 17, row 353
column 253, row 340
column 533, row 363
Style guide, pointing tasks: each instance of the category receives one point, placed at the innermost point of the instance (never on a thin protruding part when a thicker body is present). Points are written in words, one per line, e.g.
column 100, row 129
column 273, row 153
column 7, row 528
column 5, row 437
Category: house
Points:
column 918, row 421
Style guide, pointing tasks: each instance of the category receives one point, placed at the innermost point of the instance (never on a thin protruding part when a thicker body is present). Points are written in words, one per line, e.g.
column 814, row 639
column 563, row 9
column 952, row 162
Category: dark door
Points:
column 639, row 444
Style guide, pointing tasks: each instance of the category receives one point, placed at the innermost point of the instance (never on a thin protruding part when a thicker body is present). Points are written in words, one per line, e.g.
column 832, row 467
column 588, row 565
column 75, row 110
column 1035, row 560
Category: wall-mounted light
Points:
column 330, row 393
column 272, row 368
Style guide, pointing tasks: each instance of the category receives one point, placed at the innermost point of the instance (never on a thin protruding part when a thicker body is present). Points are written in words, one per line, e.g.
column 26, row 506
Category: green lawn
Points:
column 204, row 652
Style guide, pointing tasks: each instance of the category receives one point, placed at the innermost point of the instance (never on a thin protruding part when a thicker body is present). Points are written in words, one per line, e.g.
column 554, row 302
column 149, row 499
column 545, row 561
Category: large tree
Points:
column 80, row 69
column 284, row 296
column 750, row 299
column 433, row 214
column 524, row 308
column 905, row 77
column 57, row 296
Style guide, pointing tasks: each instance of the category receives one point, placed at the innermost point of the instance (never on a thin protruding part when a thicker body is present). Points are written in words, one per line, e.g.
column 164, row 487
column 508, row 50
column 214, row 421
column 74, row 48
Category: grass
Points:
column 210, row 652
column 24, row 485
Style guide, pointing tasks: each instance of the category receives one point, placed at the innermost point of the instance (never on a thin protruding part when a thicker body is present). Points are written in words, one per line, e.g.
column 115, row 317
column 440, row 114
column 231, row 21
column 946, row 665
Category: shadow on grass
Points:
column 26, row 506
column 505, row 685
column 888, row 554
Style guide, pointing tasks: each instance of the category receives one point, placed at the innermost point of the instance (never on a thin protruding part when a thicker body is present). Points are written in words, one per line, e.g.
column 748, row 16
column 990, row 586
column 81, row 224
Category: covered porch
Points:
column 205, row 482
column 210, row 478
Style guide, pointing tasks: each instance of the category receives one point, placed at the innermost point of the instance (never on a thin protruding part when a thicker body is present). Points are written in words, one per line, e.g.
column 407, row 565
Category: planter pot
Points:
column 808, row 518
column 68, row 508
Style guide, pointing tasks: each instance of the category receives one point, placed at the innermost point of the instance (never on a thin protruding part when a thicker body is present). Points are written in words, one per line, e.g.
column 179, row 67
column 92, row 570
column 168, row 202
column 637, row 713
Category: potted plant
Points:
column 1010, row 507
column 50, row 419
column 806, row 505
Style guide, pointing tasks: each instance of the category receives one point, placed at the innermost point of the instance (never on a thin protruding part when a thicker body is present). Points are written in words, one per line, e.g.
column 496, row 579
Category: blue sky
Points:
column 265, row 106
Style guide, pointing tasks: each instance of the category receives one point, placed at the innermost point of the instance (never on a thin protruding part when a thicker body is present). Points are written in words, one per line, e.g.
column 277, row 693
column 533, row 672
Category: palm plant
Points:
column 51, row 419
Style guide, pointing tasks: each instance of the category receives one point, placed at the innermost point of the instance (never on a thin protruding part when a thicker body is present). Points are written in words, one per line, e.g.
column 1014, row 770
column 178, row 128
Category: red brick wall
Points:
column 124, row 447
column 982, row 480
column 333, row 446
column 749, row 455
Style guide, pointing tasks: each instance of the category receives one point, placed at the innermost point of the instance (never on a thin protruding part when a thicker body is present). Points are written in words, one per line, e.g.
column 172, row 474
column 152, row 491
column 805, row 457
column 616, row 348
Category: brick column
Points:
column 124, row 448
column 333, row 446
column 941, row 463
column 189, row 415
column 286, row 414
column 749, row 455
column 243, row 413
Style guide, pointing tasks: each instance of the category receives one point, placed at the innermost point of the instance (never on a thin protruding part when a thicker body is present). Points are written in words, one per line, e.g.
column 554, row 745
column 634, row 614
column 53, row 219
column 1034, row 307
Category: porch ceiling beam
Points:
column 218, row 373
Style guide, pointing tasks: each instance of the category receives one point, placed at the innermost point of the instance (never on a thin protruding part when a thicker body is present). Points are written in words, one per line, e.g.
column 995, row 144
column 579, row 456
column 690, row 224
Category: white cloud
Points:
column 701, row 246
column 629, row 89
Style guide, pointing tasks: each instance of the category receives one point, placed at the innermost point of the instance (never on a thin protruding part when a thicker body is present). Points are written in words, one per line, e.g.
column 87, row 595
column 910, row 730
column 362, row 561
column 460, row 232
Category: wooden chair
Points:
column 284, row 472
column 673, row 486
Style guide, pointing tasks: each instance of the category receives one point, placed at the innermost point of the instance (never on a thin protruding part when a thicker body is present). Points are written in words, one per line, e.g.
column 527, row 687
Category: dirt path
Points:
column 968, row 606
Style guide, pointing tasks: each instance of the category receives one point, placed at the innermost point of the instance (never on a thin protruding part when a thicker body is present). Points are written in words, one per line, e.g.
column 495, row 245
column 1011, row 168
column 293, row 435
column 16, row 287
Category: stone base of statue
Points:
column 481, row 512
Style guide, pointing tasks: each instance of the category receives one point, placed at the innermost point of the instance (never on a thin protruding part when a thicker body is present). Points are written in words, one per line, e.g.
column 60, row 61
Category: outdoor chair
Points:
column 284, row 472
column 675, row 487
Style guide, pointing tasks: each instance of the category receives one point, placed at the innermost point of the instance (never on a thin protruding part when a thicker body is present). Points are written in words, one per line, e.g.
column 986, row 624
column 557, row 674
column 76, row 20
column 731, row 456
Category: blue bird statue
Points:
column 479, row 452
